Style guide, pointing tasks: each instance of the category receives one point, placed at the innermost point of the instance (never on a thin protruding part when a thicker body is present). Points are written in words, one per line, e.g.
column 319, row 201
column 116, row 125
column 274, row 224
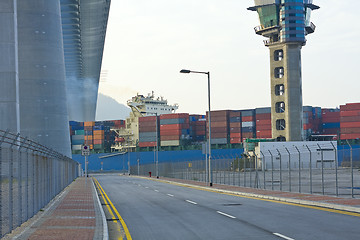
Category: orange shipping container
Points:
column 87, row 124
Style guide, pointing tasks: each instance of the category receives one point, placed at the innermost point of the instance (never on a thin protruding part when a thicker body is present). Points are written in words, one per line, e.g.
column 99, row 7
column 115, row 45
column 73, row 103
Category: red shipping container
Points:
column 349, row 136
column 331, row 120
column 235, row 125
column 218, row 124
column 201, row 132
column 349, row 130
column 171, row 133
column 166, row 127
column 147, row 124
column 147, row 129
column 263, row 122
column 175, row 116
column 147, row 144
column 248, row 119
column 97, row 141
column 235, row 135
column 219, row 135
column 218, row 113
column 263, row 127
column 349, row 113
column 235, row 130
column 247, row 135
column 219, row 129
column 350, row 119
column 218, row 118
column 235, row 140
column 349, row 124
column 235, row 114
column 263, row 116
column 147, row 119
column 350, row 107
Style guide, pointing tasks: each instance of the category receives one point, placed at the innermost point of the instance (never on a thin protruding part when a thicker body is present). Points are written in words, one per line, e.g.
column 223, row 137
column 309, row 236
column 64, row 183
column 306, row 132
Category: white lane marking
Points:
column 146, row 187
column 282, row 236
column 156, row 190
column 170, row 195
column 227, row 215
column 191, row 202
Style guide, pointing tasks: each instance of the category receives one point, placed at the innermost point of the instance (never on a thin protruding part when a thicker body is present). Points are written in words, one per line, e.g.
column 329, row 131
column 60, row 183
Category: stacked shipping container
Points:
column 330, row 121
column 219, row 126
column 263, row 122
column 248, row 128
column 235, row 127
column 174, row 129
column 148, row 131
column 311, row 120
column 197, row 128
column 350, row 121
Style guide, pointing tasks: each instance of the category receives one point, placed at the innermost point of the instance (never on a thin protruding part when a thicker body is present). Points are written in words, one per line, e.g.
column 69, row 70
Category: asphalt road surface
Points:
column 158, row 210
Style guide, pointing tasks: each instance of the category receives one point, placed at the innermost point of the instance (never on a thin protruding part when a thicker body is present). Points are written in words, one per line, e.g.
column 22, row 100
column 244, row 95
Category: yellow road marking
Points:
column 127, row 233
column 261, row 199
column 108, row 207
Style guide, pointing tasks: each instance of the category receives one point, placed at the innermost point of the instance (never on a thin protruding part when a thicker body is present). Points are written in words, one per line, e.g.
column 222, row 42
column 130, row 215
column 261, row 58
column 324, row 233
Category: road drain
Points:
column 232, row 204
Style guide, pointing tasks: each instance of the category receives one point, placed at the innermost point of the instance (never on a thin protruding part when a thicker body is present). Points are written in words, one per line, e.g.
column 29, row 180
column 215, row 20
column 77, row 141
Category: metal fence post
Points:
column 263, row 164
column 311, row 191
column 297, row 149
column 272, row 170
column 336, row 170
column 280, row 169
column 289, row 168
column 352, row 169
column 11, row 176
column 322, row 170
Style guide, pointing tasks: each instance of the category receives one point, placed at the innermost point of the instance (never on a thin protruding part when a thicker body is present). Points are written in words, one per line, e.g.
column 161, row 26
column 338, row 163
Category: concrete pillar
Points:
column 43, row 104
column 290, row 78
column 9, row 79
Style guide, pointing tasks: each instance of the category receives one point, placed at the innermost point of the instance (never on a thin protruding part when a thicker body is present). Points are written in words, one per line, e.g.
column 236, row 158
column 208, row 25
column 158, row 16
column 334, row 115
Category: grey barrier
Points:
column 313, row 171
column 30, row 176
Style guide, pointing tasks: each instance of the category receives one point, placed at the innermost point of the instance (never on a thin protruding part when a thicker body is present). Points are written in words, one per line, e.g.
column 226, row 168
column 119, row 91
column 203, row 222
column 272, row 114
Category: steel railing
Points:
column 30, row 176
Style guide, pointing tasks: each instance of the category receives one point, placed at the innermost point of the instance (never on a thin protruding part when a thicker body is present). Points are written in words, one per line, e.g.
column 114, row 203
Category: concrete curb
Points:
column 105, row 226
column 280, row 199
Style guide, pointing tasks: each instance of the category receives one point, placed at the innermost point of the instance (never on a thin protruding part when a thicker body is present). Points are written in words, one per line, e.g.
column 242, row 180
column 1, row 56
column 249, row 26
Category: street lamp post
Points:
column 209, row 139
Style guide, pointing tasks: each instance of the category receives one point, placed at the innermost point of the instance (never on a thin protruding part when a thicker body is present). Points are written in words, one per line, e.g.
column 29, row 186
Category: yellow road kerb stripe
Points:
column 127, row 233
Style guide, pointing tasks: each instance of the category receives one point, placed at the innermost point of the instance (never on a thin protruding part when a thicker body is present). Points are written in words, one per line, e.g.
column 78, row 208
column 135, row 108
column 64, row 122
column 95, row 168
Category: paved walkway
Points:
column 333, row 202
column 73, row 215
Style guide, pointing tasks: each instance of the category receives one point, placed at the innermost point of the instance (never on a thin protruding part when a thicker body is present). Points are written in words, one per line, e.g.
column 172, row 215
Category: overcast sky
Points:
column 149, row 41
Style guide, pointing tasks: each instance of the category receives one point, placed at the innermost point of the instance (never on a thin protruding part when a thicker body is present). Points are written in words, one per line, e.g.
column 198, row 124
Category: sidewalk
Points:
column 332, row 202
column 74, row 214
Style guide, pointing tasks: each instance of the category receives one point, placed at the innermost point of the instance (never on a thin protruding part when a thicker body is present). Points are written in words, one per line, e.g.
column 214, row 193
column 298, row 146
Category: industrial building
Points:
column 285, row 23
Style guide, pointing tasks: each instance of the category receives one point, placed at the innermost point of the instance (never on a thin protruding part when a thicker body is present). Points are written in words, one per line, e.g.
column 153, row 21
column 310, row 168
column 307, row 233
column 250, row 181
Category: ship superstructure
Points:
column 150, row 106
column 141, row 106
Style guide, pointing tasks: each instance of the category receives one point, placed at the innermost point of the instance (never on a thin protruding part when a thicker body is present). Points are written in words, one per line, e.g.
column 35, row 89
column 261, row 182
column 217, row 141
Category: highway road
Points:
column 158, row 210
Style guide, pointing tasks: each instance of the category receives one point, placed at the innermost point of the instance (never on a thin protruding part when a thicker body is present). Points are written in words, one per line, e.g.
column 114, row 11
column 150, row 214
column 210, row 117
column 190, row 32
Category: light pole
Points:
column 209, row 140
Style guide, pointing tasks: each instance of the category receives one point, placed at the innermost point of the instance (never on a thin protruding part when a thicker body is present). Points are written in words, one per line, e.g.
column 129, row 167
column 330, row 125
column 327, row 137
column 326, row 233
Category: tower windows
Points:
column 279, row 89
column 278, row 55
column 280, row 124
column 280, row 107
column 279, row 72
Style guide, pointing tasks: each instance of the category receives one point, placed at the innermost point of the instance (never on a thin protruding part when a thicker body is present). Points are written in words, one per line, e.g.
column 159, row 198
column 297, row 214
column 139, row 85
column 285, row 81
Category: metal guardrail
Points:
column 30, row 176
column 274, row 170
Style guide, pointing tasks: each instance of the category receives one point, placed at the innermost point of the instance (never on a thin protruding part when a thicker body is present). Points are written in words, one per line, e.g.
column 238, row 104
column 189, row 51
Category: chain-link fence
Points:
column 314, row 170
column 30, row 176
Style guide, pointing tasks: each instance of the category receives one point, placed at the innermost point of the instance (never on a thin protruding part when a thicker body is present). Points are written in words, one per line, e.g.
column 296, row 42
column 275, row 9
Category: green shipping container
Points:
column 79, row 132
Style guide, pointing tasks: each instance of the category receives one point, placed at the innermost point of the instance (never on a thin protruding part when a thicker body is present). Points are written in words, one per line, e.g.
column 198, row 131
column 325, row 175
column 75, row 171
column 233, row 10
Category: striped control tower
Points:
column 285, row 23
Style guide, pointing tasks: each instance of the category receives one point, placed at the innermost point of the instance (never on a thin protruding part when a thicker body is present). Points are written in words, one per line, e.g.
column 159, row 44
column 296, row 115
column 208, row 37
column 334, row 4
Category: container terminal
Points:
column 153, row 121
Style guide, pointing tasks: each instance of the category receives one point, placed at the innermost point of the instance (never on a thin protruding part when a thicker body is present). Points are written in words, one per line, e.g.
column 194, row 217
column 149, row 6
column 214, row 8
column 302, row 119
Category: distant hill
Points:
column 109, row 109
